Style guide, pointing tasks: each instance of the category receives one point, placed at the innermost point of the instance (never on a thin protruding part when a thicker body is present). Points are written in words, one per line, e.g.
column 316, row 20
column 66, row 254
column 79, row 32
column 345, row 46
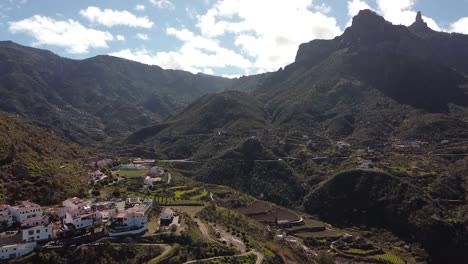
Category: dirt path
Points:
column 258, row 261
column 203, row 229
column 166, row 252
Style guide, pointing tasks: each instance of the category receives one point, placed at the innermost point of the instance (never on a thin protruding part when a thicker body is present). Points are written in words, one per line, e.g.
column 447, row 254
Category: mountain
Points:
column 36, row 164
column 379, row 95
column 375, row 198
column 98, row 99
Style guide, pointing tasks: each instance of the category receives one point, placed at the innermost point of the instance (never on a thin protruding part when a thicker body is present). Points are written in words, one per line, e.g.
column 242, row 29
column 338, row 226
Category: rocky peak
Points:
column 369, row 28
column 420, row 26
column 419, row 19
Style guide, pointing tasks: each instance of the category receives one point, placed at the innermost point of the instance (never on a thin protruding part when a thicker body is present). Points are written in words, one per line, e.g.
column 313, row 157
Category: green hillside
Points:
column 37, row 165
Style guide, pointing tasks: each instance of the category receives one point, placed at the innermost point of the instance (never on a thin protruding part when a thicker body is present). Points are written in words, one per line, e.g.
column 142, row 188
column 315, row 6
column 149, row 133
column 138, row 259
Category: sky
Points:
column 228, row 38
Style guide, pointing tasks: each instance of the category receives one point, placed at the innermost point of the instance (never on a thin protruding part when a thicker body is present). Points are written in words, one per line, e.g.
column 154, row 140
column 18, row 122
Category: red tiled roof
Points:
column 32, row 219
column 121, row 215
column 167, row 211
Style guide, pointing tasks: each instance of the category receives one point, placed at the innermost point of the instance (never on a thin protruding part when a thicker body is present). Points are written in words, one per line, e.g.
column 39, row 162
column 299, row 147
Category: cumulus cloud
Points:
column 460, row 26
column 110, row 18
column 323, row 8
column 140, row 7
column 355, row 6
column 197, row 54
column 69, row 34
column 120, row 37
column 163, row 4
column 142, row 36
column 272, row 37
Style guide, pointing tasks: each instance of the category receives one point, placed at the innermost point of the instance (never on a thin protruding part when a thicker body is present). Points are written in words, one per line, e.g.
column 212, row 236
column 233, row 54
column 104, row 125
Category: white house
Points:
column 81, row 218
column 35, row 221
column 167, row 214
column 96, row 175
column 6, row 219
column 129, row 220
column 131, row 201
column 37, row 233
column 59, row 212
column 150, row 182
column 75, row 203
column 107, row 214
column 25, row 210
column 16, row 250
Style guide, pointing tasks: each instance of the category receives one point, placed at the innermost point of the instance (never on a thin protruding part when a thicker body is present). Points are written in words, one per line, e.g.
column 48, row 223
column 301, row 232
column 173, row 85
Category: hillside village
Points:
column 162, row 208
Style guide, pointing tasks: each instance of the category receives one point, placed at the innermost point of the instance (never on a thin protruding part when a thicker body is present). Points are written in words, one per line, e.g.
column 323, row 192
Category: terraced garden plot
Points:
column 130, row 173
column 321, row 234
column 388, row 258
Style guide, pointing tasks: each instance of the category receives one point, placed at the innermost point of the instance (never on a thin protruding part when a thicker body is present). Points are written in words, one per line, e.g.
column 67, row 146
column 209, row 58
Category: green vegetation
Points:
column 247, row 259
column 356, row 251
column 105, row 253
column 248, row 230
column 38, row 165
column 388, row 258
column 131, row 173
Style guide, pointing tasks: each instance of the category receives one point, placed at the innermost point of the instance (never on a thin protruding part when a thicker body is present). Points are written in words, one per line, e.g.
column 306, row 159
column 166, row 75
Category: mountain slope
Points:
column 37, row 165
column 95, row 99
column 377, row 199
column 377, row 96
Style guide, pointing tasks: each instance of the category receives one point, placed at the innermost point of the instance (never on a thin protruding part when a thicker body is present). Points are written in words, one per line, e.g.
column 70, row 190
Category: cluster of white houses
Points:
column 24, row 225
column 30, row 226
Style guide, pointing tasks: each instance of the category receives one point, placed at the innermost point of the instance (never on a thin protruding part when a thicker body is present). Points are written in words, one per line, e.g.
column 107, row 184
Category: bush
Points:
column 95, row 192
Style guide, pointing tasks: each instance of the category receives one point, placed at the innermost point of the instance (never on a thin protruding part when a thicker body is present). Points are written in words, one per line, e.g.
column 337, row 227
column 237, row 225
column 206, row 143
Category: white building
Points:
column 96, row 175
column 37, row 233
column 16, row 250
column 75, row 203
column 35, row 221
column 167, row 214
column 150, row 182
column 81, row 218
column 59, row 212
column 129, row 220
column 25, row 210
column 107, row 214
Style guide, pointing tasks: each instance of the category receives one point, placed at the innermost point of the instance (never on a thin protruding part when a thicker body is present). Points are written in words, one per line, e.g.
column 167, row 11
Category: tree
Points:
column 324, row 258
column 95, row 192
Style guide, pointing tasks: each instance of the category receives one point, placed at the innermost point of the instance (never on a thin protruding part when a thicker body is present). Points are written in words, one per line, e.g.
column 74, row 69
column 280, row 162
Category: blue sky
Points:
column 220, row 37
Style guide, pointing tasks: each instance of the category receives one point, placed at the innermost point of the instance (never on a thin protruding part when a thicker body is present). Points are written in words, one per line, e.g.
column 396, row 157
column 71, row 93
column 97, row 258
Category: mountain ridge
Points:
column 380, row 99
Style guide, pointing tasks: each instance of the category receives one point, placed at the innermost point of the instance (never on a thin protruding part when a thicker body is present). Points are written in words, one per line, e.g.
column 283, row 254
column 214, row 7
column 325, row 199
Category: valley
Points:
column 357, row 152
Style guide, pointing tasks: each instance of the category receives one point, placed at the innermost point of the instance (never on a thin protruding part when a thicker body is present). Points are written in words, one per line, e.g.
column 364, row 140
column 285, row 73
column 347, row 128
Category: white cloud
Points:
column 163, row 4
column 140, row 7
column 400, row 12
column 208, row 71
column 197, row 54
column 270, row 37
column 120, row 37
column 110, row 18
column 231, row 76
column 142, row 36
column 68, row 34
column 354, row 6
column 460, row 26
column 323, row 8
